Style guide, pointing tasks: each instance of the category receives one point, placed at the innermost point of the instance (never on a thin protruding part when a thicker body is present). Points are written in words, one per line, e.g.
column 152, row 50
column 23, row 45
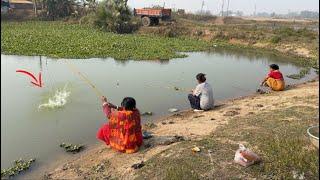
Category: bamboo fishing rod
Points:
column 84, row 78
column 97, row 91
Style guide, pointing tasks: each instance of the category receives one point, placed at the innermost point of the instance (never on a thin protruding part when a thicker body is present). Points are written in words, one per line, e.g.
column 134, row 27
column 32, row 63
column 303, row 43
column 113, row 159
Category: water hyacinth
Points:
column 74, row 148
column 300, row 75
column 148, row 113
column 18, row 166
column 60, row 40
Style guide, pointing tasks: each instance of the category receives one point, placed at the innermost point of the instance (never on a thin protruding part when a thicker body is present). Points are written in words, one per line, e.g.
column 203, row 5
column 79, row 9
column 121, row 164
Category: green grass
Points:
column 61, row 40
column 279, row 137
column 64, row 40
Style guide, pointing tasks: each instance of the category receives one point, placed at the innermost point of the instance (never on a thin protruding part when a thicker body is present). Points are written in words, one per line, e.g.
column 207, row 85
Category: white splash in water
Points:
column 58, row 100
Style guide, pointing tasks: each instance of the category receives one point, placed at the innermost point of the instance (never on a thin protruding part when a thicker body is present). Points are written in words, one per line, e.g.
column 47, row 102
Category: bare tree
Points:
column 222, row 7
column 228, row 8
column 35, row 7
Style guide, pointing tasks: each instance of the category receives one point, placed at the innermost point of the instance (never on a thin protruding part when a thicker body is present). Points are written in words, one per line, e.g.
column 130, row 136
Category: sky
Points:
column 247, row 6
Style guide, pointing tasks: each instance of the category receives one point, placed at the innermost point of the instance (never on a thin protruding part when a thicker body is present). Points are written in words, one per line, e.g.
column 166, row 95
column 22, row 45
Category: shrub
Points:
column 59, row 8
column 114, row 16
column 220, row 35
column 275, row 39
column 285, row 31
column 304, row 32
column 88, row 19
column 195, row 17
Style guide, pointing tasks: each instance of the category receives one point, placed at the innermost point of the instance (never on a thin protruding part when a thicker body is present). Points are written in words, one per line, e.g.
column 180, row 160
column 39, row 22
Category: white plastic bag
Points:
column 245, row 157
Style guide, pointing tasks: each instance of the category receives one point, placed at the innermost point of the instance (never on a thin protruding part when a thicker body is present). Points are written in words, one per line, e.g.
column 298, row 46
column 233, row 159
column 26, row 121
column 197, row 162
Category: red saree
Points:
column 123, row 132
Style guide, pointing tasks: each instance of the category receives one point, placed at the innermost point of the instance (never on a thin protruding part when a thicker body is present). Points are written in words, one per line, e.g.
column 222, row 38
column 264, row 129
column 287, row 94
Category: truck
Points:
column 152, row 16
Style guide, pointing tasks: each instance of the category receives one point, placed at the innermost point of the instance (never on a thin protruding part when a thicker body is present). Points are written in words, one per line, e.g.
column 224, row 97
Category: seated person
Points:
column 274, row 80
column 201, row 97
column 123, row 131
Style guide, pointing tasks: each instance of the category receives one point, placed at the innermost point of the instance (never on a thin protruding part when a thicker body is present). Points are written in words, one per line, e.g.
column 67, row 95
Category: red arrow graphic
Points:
column 35, row 82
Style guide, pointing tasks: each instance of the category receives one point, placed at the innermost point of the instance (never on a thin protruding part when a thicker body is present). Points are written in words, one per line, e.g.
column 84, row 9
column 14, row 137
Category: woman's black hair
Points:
column 201, row 77
column 274, row 66
column 128, row 103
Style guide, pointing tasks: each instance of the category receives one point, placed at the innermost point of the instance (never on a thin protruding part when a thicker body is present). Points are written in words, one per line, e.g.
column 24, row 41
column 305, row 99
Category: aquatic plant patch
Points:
column 300, row 75
column 74, row 148
column 18, row 166
column 148, row 113
column 61, row 40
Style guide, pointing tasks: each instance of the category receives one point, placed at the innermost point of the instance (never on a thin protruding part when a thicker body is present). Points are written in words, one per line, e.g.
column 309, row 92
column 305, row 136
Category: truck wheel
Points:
column 146, row 21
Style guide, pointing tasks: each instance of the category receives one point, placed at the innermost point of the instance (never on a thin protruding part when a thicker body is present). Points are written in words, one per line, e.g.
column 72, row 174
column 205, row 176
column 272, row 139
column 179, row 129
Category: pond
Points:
column 28, row 132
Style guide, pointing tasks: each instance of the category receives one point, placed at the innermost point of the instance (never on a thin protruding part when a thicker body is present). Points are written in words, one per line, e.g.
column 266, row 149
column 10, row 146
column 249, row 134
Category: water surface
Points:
column 27, row 132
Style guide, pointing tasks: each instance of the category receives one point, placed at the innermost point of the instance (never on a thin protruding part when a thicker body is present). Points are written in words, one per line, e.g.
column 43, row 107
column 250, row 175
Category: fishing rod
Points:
column 84, row 78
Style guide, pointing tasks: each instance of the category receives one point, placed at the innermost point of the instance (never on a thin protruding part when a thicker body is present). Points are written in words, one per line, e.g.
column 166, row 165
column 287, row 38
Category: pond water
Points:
column 29, row 132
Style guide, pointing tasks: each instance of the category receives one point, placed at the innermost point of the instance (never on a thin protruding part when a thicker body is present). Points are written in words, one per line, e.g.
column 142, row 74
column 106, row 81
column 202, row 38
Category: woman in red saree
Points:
column 123, row 132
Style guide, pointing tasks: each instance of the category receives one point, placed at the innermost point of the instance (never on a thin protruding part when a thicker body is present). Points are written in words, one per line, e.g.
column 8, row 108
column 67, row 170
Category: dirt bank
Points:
column 194, row 128
column 290, row 37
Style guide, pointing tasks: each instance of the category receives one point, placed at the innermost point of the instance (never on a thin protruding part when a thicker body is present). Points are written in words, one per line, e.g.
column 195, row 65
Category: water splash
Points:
column 58, row 100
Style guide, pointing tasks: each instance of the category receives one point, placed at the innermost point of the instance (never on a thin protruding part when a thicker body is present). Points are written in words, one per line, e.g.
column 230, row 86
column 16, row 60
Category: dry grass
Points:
column 272, row 125
column 278, row 136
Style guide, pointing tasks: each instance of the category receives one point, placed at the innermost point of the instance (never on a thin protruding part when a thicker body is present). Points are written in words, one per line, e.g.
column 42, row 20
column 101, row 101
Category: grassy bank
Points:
column 279, row 137
column 294, row 39
column 272, row 125
column 61, row 40
column 69, row 40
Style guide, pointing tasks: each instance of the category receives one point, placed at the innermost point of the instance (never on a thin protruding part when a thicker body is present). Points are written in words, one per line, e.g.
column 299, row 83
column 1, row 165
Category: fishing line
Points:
column 182, row 90
column 84, row 78
column 171, row 87
column 50, row 81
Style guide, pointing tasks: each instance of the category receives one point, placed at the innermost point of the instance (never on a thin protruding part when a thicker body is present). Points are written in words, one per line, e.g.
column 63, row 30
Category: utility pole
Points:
column 40, row 63
column 202, row 7
column 228, row 8
column 222, row 7
column 255, row 9
column 35, row 7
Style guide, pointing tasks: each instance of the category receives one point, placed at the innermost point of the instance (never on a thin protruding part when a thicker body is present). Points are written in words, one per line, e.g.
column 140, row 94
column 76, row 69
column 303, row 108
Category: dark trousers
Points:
column 194, row 101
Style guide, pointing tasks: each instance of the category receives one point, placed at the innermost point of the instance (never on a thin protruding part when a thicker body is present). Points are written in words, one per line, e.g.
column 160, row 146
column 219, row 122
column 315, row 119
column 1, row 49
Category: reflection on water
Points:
column 27, row 132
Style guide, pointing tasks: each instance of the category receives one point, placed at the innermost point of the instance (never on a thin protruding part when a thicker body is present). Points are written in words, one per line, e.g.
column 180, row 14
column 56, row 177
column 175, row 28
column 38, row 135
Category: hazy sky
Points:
column 247, row 6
